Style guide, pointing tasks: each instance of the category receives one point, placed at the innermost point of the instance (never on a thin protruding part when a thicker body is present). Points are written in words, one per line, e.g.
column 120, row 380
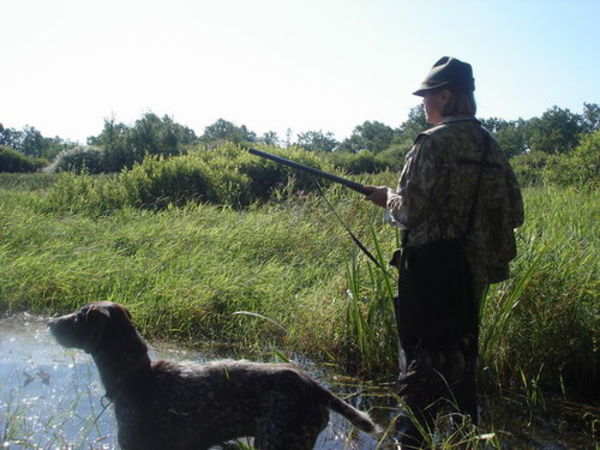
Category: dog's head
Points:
column 93, row 326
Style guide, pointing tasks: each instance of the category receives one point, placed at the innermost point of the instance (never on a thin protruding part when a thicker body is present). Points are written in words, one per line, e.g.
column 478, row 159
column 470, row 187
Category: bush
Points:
column 529, row 167
column 13, row 161
column 363, row 161
column 580, row 167
column 79, row 159
column 226, row 175
column 395, row 155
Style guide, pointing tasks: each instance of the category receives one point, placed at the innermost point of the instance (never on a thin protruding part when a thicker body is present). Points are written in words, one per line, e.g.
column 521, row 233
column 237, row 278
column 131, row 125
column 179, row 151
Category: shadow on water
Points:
column 50, row 397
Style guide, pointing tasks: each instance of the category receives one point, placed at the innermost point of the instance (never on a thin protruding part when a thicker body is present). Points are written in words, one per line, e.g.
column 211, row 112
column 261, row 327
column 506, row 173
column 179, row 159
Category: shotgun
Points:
column 319, row 173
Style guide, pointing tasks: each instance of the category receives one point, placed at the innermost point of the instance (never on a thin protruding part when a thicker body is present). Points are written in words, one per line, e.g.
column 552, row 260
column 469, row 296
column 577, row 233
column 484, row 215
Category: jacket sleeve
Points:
column 405, row 207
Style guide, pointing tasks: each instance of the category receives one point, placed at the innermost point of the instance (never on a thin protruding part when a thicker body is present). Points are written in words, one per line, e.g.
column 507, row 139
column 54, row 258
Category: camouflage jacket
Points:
column 436, row 189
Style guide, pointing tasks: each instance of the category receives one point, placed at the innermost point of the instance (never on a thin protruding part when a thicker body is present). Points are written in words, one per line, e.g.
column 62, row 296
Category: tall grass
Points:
column 185, row 270
column 549, row 313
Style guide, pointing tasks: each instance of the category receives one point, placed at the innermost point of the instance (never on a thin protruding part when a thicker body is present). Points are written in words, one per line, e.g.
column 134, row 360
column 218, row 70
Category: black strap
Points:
column 482, row 164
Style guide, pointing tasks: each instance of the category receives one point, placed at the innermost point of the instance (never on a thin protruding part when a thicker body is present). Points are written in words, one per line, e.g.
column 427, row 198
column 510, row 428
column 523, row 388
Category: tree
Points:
column 32, row 143
column 591, row 117
column 557, row 131
column 270, row 138
column 513, row 136
column 118, row 149
column 122, row 146
column 317, row 141
column 288, row 137
column 10, row 137
column 415, row 124
column 373, row 136
column 223, row 130
column 156, row 136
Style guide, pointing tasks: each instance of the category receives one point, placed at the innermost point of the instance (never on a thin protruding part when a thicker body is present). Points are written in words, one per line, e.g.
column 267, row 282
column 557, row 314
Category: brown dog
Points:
column 165, row 405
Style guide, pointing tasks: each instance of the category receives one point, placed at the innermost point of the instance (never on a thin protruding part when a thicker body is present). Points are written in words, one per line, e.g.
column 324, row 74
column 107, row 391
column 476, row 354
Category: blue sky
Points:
column 274, row 64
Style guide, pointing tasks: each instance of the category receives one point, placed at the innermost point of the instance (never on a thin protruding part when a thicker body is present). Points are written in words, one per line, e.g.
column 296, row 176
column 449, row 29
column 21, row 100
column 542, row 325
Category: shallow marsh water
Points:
column 50, row 399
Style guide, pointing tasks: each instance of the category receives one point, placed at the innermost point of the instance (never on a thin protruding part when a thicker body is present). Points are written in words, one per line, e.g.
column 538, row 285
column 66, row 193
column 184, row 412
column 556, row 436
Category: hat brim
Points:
column 427, row 88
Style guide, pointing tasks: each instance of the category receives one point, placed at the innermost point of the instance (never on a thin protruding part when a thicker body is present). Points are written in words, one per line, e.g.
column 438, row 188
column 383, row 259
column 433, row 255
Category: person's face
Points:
column 434, row 103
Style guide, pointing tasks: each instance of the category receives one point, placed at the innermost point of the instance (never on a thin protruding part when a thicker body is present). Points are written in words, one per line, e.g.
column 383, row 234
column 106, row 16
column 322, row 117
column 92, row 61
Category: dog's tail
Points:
column 359, row 418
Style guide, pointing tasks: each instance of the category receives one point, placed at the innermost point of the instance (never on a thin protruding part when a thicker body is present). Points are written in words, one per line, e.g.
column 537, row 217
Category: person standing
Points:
column 458, row 203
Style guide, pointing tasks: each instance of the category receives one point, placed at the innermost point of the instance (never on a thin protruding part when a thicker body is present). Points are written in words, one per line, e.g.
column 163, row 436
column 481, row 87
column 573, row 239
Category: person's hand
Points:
column 378, row 195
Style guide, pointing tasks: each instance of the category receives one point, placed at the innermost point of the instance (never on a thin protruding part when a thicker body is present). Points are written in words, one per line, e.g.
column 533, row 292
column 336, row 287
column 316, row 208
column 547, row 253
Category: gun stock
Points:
column 313, row 171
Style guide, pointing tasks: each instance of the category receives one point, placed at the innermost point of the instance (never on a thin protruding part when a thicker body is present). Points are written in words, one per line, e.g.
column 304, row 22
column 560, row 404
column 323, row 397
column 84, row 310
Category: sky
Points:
column 274, row 65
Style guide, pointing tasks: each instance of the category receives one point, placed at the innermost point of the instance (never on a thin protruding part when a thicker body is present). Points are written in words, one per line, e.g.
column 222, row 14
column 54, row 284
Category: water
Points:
column 50, row 397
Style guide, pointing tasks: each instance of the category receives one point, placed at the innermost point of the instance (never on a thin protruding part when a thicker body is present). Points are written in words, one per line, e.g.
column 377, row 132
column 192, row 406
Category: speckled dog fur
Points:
column 166, row 405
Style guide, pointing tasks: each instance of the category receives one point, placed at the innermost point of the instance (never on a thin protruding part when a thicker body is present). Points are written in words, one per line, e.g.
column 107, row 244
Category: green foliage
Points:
column 226, row 175
column 14, row 161
column 395, row 155
column 317, row 141
column 121, row 146
column 31, row 143
column 223, row 130
column 373, row 136
column 591, row 117
column 80, row 159
column 357, row 163
column 580, row 167
column 118, row 151
column 415, row 124
column 529, row 167
column 557, row 131
column 185, row 271
column 152, row 135
column 549, row 309
column 26, row 181
column 513, row 136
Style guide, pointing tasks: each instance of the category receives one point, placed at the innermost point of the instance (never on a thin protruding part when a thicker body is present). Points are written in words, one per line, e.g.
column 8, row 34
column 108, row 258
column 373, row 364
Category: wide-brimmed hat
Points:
column 448, row 73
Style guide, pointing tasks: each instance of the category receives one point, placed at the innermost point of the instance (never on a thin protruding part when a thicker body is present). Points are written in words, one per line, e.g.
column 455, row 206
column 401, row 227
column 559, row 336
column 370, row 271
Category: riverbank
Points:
column 51, row 397
column 283, row 277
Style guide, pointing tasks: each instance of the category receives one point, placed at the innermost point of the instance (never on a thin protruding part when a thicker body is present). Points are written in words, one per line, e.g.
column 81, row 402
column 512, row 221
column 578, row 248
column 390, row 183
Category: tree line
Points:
column 375, row 145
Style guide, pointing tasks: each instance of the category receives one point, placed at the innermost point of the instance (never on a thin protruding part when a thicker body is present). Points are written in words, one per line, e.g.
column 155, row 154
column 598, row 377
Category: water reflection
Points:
column 50, row 396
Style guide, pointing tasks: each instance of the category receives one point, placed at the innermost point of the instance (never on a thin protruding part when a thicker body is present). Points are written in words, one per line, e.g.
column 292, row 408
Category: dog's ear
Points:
column 93, row 309
column 96, row 318
column 127, row 313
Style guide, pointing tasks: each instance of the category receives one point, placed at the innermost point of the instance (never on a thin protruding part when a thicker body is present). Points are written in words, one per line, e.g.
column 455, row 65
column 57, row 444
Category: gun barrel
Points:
column 336, row 179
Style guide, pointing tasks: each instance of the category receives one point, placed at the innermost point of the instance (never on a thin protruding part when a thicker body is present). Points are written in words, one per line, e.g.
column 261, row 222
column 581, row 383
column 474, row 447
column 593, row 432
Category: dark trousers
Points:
column 437, row 313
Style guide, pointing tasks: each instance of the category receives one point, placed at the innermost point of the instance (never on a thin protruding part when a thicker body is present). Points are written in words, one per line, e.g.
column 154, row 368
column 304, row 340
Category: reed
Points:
column 184, row 271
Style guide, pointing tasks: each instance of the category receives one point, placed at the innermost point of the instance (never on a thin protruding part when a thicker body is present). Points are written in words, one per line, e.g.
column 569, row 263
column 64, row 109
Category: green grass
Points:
column 185, row 271
column 549, row 313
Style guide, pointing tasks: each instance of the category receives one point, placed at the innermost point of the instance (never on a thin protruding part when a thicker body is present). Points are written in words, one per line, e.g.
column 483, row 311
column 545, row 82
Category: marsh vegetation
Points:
column 278, row 276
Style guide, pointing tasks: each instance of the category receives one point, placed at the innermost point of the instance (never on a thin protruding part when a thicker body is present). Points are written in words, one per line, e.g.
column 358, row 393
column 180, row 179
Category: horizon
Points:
column 310, row 65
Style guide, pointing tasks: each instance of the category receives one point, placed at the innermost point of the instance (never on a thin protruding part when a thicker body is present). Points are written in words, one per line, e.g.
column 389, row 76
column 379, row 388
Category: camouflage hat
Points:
column 450, row 73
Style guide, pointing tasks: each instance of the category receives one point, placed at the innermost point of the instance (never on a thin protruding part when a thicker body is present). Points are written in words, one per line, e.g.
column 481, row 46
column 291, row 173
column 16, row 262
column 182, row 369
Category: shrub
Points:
column 529, row 167
column 580, row 167
column 13, row 161
column 158, row 182
column 266, row 176
column 226, row 175
column 395, row 155
column 79, row 159
column 363, row 161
